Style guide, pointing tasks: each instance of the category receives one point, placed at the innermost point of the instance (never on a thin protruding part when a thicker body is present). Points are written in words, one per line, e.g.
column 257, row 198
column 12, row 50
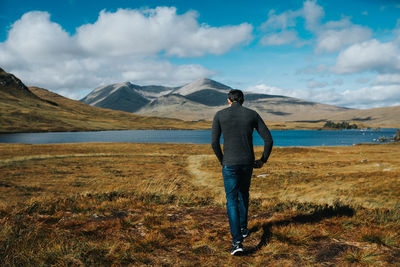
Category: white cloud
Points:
column 387, row 79
column 312, row 13
column 372, row 96
column 148, row 32
column 35, row 39
column 282, row 21
column 338, row 24
column 369, row 55
column 123, row 45
column 333, row 40
column 280, row 38
column 273, row 90
column 167, row 73
column 365, row 97
column 329, row 37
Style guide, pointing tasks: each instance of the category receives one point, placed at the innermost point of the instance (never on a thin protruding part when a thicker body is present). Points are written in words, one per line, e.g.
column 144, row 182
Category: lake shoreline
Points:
column 282, row 138
column 193, row 125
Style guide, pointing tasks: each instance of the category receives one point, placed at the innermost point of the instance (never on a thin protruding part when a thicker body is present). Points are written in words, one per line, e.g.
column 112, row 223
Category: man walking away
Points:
column 236, row 123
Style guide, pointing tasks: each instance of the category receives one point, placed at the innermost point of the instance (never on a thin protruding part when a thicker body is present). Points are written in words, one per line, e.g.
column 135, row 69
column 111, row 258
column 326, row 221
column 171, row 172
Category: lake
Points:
column 281, row 137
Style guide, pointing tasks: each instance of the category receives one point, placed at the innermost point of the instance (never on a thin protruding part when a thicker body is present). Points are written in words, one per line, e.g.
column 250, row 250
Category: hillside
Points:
column 388, row 117
column 33, row 109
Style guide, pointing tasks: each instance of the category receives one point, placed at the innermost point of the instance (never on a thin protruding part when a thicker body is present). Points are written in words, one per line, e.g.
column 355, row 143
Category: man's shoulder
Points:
column 250, row 111
column 222, row 111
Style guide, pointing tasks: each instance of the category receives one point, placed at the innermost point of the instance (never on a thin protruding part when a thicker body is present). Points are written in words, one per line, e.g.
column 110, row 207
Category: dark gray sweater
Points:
column 236, row 123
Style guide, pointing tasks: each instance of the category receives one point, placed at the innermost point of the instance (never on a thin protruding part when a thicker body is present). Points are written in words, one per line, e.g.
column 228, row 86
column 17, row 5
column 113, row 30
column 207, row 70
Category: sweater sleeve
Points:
column 265, row 134
column 215, row 137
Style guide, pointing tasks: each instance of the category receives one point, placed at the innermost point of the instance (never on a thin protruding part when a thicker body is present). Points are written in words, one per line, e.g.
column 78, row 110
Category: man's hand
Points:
column 258, row 164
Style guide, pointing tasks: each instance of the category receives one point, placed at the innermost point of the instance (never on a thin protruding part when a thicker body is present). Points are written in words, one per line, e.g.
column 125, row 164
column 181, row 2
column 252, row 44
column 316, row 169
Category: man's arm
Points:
column 265, row 134
column 215, row 136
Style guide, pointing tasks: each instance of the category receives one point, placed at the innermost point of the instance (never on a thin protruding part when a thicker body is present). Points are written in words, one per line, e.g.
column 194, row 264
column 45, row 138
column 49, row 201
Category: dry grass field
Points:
column 163, row 205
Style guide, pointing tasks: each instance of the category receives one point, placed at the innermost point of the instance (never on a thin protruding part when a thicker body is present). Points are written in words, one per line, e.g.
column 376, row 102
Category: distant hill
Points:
column 12, row 87
column 33, row 109
column 200, row 100
column 388, row 117
column 124, row 96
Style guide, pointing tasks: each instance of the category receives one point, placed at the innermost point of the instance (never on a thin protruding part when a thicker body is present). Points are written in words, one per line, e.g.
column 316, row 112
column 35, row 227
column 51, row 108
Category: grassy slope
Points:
column 32, row 115
column 163, row 204
column 387, row 117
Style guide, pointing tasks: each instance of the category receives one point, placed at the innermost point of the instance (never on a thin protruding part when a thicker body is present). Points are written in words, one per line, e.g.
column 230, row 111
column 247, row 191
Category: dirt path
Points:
column 203, row 178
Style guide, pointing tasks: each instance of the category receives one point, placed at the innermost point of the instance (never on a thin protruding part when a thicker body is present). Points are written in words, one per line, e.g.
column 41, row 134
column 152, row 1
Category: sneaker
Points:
column 236, row 248
column 245, row 232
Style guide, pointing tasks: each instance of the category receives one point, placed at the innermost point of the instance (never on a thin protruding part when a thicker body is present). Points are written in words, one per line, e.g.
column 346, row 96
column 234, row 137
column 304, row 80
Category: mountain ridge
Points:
column 35, row 109
column 202, row 98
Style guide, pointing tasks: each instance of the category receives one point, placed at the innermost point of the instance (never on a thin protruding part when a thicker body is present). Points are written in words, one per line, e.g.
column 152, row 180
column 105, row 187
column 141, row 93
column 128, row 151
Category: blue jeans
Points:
column 237, row 180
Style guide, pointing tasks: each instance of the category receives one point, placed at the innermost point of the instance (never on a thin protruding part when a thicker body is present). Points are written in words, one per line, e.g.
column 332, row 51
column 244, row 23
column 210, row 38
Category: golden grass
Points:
column 163, row 204
column 32, row 115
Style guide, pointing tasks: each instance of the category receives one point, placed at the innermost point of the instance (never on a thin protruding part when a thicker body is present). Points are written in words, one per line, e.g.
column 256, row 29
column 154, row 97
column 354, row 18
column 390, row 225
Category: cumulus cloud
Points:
column 387, row 79
column 333, row 40
column 372, row 96
column 312, row 13
column 280, row 38
column 330, row 36
column 282, row 21
column 123, row 45
column 365, row 97
column 274, row 90
column 35, row 39
column 148, row 32
column 369, row 55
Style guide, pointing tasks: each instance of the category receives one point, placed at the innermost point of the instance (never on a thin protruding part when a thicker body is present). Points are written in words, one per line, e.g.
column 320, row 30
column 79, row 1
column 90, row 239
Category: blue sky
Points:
column 344, row 53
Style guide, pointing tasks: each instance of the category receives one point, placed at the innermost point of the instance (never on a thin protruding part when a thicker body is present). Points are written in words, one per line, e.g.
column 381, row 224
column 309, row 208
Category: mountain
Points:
column 388, row 117
column 12, row 88
column 124, row 96
column 34, row 109
column 201, row 99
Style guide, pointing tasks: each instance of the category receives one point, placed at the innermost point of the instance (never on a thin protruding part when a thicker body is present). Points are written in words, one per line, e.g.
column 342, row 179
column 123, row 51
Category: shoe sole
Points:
column 236, row 251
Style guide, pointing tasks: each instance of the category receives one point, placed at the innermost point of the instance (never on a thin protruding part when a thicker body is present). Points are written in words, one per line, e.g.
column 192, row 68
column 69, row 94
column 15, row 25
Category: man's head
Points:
column 236, row 96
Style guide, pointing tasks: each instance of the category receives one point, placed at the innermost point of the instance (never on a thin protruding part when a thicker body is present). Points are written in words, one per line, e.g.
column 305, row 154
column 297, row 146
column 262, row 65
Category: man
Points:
column 236, row 123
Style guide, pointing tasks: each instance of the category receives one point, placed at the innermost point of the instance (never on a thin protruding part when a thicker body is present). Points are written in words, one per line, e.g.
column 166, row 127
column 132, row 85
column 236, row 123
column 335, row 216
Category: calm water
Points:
column 281, row 137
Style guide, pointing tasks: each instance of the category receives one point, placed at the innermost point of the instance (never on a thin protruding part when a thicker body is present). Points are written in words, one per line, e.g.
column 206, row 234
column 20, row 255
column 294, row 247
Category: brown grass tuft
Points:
column 152, row 204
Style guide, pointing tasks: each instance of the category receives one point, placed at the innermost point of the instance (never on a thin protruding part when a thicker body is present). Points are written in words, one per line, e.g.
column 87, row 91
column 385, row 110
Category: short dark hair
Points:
column 236, row 96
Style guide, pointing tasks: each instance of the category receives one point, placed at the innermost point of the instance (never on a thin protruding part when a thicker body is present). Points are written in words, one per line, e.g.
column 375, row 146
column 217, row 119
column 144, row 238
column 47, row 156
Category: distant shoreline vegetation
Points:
column 339, row 125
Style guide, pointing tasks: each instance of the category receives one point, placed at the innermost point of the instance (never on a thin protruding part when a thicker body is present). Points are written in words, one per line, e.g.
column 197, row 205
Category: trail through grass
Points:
column 163, row 205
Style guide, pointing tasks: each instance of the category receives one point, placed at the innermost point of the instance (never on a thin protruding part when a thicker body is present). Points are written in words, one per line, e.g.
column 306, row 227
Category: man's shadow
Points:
column 320, row 213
